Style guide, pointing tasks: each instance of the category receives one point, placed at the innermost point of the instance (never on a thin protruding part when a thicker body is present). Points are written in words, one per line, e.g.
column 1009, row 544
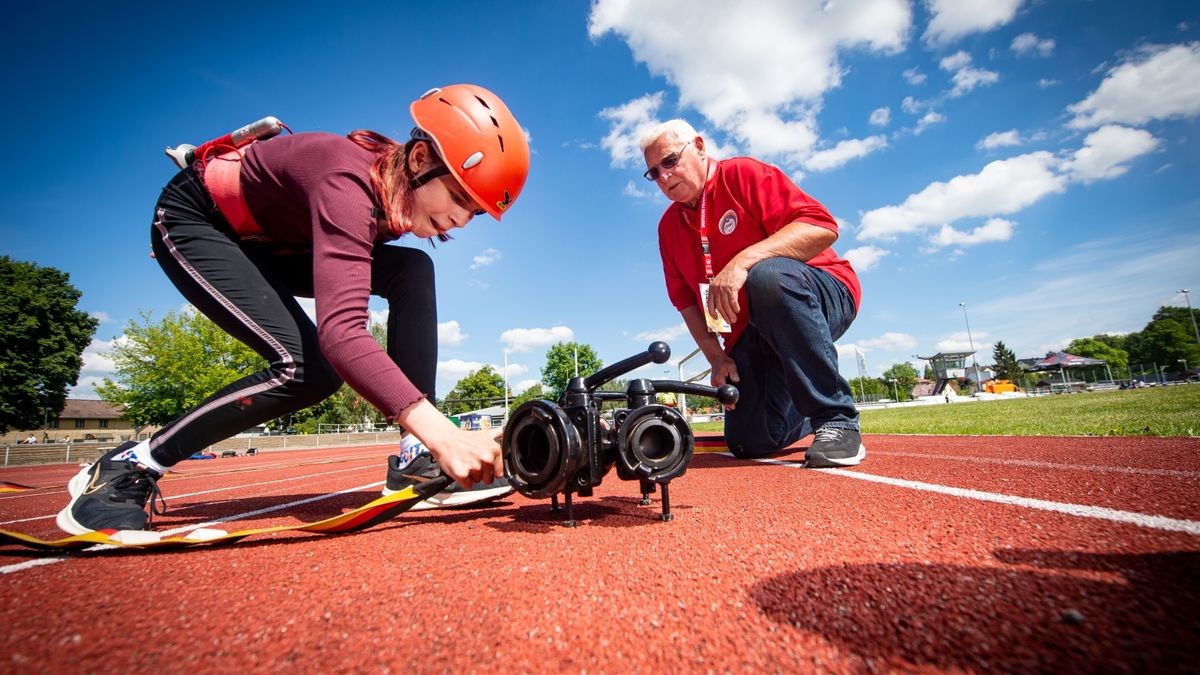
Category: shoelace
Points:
column 142, row 487
column 828, row 434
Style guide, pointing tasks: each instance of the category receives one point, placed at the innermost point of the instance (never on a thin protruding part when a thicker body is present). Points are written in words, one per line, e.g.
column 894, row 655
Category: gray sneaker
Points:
column 833, row 447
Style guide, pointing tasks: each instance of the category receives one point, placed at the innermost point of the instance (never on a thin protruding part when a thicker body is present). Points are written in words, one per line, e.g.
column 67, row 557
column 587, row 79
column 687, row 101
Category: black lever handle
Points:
column 727, row 394
column 657, row 352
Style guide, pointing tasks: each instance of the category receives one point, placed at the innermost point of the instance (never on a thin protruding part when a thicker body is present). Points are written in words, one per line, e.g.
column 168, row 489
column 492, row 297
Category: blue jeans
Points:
column 786, row 360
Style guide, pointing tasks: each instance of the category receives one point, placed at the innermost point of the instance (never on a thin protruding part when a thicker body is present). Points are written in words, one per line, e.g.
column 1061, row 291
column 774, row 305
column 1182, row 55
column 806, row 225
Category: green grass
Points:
column 1157, row 411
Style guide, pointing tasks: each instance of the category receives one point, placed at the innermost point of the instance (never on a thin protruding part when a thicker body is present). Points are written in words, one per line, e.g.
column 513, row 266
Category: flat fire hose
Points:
column 380, row 510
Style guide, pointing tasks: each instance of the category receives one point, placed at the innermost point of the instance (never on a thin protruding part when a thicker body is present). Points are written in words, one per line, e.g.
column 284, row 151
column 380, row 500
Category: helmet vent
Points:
column 501, row 142
column 495, row 123
column 475, row 158
column 483, row 103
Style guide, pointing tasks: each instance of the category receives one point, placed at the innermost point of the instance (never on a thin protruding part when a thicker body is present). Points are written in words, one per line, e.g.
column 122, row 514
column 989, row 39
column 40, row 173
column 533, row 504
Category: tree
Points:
column 1164, row 341
column 1004, row 362
column 534, row 393
column 475, row 391
column 906, row 378
column 862, row 387
column 42, row 338
column 560, row 365
column 166, row 368
column 1117, row 359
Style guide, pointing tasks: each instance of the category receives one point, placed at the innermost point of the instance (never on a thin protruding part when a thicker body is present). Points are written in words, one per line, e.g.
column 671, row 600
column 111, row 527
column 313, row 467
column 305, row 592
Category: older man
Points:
column 747, row 256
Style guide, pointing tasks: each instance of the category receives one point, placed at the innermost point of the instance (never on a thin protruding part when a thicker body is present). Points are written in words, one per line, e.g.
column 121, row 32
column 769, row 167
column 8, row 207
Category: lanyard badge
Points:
column 715, row 324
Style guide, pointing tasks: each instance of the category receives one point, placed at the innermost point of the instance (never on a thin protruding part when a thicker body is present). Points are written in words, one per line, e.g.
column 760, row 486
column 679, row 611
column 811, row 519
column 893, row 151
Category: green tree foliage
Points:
column 868, row 386
column 1165, row 340
column 1004, row 362
column 560, row 365
column 534, row 393
column 475, row 391
column 42, row 338
column 1116, row 358
column 905, row 375
column 165, row 368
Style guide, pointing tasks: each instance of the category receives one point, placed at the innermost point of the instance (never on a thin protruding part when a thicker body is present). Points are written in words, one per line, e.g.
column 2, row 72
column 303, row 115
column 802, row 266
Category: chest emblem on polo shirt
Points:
column 728, row 222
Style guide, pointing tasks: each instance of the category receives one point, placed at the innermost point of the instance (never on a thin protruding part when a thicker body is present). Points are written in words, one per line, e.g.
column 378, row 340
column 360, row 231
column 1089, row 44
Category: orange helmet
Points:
column 479, row 139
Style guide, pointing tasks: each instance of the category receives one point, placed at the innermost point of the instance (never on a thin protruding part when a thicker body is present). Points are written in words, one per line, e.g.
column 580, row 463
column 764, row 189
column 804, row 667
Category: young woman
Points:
column 241, row 234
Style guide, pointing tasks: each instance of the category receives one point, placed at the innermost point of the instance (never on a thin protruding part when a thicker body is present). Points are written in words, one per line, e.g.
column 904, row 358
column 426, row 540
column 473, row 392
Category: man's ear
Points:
column 699, row 143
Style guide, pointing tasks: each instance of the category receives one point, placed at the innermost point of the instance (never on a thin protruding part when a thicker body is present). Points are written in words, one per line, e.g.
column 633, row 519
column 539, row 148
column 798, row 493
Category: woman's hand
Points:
column 468, row 457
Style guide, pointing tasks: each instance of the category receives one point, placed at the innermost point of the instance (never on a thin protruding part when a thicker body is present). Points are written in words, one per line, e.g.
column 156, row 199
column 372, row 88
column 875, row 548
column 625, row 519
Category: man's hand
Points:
column 723, row 292
column 724, row 371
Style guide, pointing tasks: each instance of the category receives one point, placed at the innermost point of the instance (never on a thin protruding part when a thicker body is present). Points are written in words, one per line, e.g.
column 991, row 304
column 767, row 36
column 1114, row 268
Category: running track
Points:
column 993, row 554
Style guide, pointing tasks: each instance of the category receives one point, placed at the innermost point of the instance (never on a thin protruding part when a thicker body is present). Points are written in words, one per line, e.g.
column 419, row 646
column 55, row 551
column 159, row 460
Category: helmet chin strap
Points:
column 429, row 175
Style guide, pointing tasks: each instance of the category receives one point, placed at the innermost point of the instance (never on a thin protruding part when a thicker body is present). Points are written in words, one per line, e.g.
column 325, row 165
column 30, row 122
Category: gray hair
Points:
column 676, row 131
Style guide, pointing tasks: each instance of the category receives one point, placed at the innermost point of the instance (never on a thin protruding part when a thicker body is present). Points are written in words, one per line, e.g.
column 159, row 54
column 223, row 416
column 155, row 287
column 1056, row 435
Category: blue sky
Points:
column 1035, row 160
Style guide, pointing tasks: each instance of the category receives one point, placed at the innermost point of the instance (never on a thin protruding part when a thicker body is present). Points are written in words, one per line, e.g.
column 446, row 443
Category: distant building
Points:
column 81, row 421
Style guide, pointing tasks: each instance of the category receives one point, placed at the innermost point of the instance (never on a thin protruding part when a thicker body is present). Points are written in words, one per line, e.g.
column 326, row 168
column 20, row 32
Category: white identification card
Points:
column 715, row 323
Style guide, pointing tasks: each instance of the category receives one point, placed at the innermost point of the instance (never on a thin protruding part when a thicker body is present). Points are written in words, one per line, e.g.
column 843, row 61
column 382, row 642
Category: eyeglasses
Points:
column 669, row 162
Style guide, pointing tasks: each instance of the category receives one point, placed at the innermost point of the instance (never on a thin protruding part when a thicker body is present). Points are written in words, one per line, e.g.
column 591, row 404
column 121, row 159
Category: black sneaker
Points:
column 111, row 495
column 833, row 447
column 424, row 468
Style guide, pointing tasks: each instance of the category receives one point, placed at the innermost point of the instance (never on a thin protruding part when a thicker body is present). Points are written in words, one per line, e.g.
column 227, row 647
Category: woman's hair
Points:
column 390, row 175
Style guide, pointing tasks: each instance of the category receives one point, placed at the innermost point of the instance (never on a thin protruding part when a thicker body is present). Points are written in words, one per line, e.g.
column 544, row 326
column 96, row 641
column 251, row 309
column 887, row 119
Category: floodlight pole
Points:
column 971, row 341
column 1190, row 313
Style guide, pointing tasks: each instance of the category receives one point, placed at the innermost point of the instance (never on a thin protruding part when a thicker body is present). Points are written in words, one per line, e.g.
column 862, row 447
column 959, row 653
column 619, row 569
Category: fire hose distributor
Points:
column 566, row 448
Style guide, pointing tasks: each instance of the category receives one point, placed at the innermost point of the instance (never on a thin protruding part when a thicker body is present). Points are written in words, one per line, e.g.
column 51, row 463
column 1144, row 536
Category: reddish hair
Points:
column 390, row 175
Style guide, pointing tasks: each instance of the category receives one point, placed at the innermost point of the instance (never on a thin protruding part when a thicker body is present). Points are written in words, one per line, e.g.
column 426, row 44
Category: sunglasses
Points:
column 669, row 162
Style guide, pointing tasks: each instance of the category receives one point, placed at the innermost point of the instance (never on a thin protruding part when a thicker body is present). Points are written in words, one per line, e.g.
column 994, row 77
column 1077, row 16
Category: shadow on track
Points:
column 1043, row 611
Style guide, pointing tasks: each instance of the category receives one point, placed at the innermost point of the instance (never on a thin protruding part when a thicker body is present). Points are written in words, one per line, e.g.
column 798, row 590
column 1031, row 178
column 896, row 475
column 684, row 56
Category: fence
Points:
column 57, row 453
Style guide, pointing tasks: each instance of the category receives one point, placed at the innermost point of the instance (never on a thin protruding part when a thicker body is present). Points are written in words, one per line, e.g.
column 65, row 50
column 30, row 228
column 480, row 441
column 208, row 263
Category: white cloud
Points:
column 1029, row 44
column 628, row 122
column 1157, row 82
column 309, row 305
column 1000, row 139
column 929, row 119
column 456, row 369
column 102, row 317
column 487, row 257
column 995, row 229
column 914, row 77
column 632, row 189
column 1002, row 187
column 845, row 151
column 911, row 105
column 880, row 117
column 1046, row 83
column 97, row 359
column 888, row 342
column 953, row 19
column 1106, row 150
column 963, row 342
column 523, row 385
column 528, row 339
column 450, row 334
column 665, row 334
column 864, row 258
column 764, row 67
column 965, row 76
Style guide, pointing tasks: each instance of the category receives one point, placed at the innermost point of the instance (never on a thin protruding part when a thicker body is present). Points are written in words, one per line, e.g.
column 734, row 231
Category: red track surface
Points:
column 766, row 567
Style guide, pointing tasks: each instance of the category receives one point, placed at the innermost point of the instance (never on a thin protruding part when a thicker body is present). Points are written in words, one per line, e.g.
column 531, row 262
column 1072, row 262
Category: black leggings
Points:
column 250, row 293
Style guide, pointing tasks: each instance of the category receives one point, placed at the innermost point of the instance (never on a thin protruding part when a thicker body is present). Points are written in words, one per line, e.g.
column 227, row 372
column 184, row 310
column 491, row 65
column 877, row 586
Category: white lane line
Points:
column 1099, row 512
column 224, row 489
column 1035, row 464
column 38, row 562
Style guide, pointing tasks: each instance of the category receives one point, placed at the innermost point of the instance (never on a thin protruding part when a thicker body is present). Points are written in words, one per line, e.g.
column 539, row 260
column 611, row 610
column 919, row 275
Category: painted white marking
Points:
column 28, row 564
column 1099, row 512
column 224, row 489
column 1035, row 464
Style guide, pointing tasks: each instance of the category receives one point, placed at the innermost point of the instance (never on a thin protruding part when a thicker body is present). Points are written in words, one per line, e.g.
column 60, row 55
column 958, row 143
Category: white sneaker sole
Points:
column 65, row 521
column 847, row 461
column 444, row 500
